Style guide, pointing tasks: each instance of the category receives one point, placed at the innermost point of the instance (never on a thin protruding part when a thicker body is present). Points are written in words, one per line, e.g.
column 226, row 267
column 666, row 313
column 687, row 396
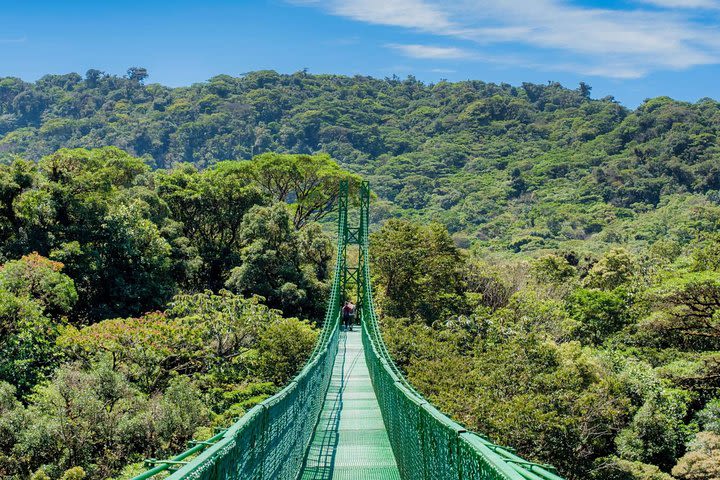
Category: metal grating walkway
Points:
column 350, row 441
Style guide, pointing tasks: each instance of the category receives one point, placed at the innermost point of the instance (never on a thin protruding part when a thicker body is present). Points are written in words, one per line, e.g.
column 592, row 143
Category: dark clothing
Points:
column 348, row 312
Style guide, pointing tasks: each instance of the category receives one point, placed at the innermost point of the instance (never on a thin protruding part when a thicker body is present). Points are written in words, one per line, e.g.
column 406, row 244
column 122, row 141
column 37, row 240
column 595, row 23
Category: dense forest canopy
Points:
column 140, row 308
column 516, row 168
column 606, row 367
column 546, row 264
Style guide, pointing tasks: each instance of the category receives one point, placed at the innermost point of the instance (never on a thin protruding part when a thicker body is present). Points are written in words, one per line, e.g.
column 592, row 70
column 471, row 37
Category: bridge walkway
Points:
column 350, row 441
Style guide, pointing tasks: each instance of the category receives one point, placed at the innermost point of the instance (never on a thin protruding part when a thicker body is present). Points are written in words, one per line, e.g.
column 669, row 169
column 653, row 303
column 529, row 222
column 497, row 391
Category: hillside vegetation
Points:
column 513, row 168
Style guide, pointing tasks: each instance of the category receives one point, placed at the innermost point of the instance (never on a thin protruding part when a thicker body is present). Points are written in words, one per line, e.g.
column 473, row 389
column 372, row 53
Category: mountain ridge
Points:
column 507, row 168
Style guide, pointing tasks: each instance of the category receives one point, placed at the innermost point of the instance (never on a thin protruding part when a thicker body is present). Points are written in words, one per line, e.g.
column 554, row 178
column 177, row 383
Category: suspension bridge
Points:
column 349, row 414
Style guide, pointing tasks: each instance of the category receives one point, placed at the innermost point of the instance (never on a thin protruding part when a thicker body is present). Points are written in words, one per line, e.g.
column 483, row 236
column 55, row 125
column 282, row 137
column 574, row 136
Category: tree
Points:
column 181, row 412
column 709, row 417
column 284, row 347
column 79, row 411
column 137, row 74
column 271, row 264
column 86, row 214
column 707, row 254
column 310, row 183
column 689, row 305
column 614, row 269
column 31, row 289
column 13, row 419
column 317, row 250
column 210, row 206
column 489, row 283
column 599, row 313
column 199, row 333
column 147, row 350
column 75, row 473
column 584, row 89
column 418, row 270
column 227, row 325
column 518, row 185
column 27, row 348
column 136, row 270
column 91, row 421
column 702, row 461
column 553, row 268
column 38, row 278
column 614, row 468
column 92, row 76
column 657, row 433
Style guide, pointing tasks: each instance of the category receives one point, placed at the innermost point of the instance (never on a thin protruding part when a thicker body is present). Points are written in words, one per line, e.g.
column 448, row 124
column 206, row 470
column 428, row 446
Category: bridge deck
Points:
column 350, row 441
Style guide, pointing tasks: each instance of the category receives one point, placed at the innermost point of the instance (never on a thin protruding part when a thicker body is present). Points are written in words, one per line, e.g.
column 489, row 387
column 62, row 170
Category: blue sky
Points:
column 629, row 49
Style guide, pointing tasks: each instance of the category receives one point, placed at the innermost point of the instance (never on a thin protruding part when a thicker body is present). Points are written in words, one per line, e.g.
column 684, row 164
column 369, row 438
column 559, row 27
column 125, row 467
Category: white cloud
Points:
column 13, row 40
column 400, row 13
column 429, row 51
column 554, row 34
column 683, row 3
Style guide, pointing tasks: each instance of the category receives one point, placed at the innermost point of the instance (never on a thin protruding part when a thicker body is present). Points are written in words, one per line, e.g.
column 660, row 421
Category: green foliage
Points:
column 147, row 349
column 311, row 183
column 79, row 207
column 201, row 333
column 553, row 268
column 80, row 414
column 181, row 411
column 491, row 285
column 27, row 346
column 582, row 329
column 702, row 461
column 39, row 475
column 541, row 398
column 616, row 268
column 283, row 347
column 657, row 433
column 688, row 319
column 31, row 290
column 38, row 278
column 209, row 207
column 709, row 417
column 130, row 239
column 614, row 468
column 707, row 253
column 604, row 368
column 417, row 270
column 272, row 263
column 144, row 386
column 517, row 168
column 97, row 419
column 87, row 236
column 75, row 473
column 598, row 313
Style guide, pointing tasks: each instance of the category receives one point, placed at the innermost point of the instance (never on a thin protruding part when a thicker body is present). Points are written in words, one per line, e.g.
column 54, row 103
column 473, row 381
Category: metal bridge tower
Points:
column 353, row 235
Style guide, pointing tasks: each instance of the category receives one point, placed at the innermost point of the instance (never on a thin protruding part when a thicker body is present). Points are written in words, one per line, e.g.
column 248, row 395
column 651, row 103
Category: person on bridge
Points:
column 348, row 312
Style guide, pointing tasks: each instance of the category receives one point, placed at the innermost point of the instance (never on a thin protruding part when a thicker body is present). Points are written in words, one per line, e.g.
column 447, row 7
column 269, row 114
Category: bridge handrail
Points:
column 269, row 442
column 427, row 444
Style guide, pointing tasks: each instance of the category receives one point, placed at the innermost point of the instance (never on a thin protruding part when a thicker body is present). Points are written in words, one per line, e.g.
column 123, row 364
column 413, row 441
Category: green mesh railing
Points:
column 270, row 441
column 427, row 444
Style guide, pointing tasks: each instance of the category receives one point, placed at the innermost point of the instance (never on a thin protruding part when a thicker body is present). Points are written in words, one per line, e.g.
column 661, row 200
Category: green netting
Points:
column 269, row 442
column 272, row 441
column 427, row 444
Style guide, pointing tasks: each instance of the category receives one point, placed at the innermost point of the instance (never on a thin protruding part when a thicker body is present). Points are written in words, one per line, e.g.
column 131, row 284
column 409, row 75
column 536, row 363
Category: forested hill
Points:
column 515, row 168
